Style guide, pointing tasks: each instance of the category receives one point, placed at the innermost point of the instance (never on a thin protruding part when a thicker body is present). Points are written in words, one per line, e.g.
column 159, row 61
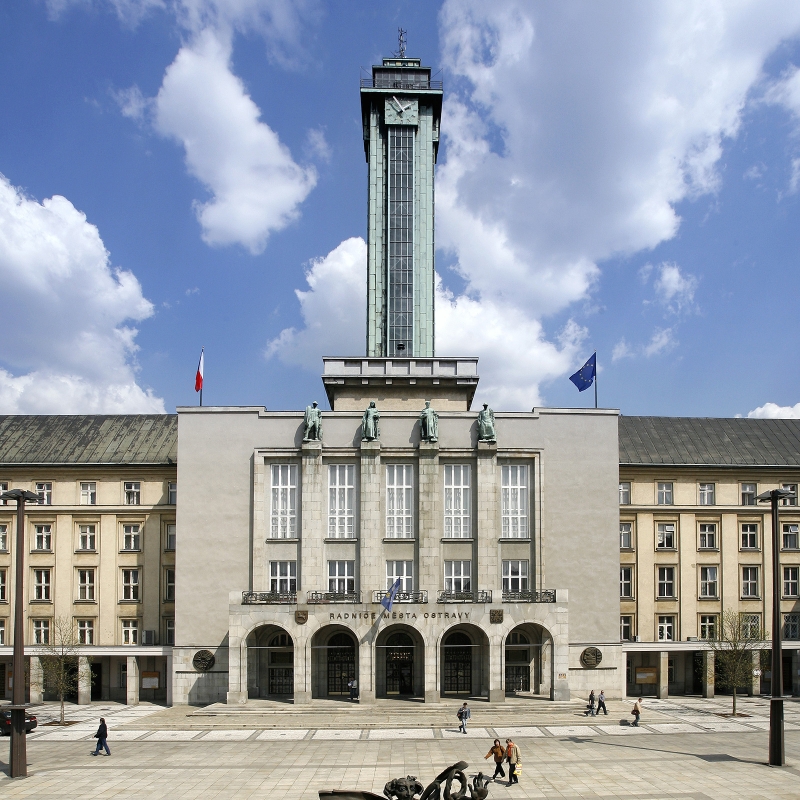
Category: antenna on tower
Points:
column 401, row 43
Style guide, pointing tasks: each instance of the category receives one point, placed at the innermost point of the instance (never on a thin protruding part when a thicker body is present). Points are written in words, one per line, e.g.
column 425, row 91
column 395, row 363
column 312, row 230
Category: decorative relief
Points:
column 591, row 657
column 301, row 617
column 203, row 660
column 496, row 615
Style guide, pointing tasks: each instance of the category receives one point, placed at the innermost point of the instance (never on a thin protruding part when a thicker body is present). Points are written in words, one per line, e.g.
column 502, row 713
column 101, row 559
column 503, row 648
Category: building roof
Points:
column 689, row 441
column 89, row 439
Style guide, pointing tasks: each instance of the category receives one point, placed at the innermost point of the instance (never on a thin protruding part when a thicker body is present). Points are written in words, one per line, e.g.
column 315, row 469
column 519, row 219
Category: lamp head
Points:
column 780, row 494
column 20, row 494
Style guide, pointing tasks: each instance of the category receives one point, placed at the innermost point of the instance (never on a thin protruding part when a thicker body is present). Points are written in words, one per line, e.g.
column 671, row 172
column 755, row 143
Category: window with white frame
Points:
column 86, row 631
column 130, row 584
column 749, row 582
column 708, row 536
column 749, row 494
column 283, row 513
column 458, row 576
column 666, row 629
column 42, row 537
column 751, row 626
column 170, row 536
column 87, row 537
column 625, row 493
column 665, row 535
column 402, row 571
column 457, row 501
column 282, row 576
column 664, row 493
column 3, row 488
column 515, row 576
column 130, row 631
column 707, row 494
column 2, row 632
column 3, row 586
column 708, row 582
column 132, row 491
column 625, row 628
column 666, row 582
column 131, row 537
column 45, row 492
column 41, row 584
column 708, row 626
column 514, row 501
column 789, row 501
column 790, row 537
column 169, row 585
column 626, row 582
column 342, row 577
column 749, row 536
column 41, row 631
column 341, row 501
column 172, row 493
column 88, row 493
column 791, row 576
column 86, row 584
column 3, row 538
column 399, row 501
column 625, row 535
column 791, row 626
column 169, row 630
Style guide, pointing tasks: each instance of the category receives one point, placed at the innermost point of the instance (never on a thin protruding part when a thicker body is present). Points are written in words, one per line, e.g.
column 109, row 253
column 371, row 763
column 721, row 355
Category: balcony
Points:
column 465, row 597
column 333, row 597
column 264, row 598
column 410, row 84
column 545, row 596
column 401, row 597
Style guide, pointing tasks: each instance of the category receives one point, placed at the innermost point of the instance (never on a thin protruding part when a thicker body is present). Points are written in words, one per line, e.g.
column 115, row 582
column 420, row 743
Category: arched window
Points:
column 281, row 640
column 341, row 640
column 399, row 639
column 517, row 638
column 458, row 639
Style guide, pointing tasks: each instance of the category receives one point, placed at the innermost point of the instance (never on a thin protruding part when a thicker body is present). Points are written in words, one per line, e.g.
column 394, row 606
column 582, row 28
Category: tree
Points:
column 61, row 667
column 737, row 637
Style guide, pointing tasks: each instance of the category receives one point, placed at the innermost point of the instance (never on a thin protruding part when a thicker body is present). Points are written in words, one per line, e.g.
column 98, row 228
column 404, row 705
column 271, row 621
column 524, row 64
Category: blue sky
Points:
column 622, row 177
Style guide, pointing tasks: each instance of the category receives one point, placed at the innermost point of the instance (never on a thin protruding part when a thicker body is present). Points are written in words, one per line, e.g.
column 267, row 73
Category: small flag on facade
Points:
column 198, row 378
column 585, row 376
column 389, row 597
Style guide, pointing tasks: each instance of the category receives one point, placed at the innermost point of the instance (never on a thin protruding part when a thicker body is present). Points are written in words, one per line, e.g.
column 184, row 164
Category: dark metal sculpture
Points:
column 403, row 788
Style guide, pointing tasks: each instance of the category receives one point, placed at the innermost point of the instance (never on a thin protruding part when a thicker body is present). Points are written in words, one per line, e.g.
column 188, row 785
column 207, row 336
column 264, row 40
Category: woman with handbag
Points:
column 514, row 761
column 499, row 754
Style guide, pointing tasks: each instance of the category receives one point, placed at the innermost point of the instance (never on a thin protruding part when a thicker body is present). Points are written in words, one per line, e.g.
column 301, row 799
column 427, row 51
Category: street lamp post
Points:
column 777, row 754
column 19, row 758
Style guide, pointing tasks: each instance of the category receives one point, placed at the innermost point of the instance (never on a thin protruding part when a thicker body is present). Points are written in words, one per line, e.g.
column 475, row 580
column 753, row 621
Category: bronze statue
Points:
column 486, row 432
column 403, row 788
column 312, row 424
column 370, row 429
column 429, row 423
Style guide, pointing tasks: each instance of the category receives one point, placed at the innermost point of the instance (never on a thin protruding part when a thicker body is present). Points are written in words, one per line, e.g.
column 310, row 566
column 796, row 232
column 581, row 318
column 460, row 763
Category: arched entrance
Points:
column 270, row 663
column 528, row 653
column 334, row 662
column 465, row 662
column 399, row 663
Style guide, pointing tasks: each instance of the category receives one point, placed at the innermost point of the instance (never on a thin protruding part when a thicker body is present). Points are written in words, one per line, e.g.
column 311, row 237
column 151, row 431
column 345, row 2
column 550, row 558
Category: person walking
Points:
column 513, row 759
column 637, row 712
column 601, row 703
column 352, row 685
column 102, row 736
column 590, row 708
column 463, row 714
column 498, row 751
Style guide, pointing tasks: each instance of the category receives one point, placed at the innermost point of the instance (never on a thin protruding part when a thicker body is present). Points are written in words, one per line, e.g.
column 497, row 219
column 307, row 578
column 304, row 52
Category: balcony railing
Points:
column 410, row 85
column 257, row 598
column 333, row 597
column 545, row 596
column 465, row 597
column 401, row 597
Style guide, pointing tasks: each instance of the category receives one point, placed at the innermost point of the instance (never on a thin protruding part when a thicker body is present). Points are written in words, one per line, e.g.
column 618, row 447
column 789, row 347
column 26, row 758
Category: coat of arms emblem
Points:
column 301, row 617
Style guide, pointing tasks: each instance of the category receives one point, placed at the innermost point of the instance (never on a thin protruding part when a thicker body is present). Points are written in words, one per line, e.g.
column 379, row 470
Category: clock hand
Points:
column 399, row 104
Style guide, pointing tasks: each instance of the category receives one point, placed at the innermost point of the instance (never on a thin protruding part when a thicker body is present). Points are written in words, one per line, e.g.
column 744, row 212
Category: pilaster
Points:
column 36, row 679
column 795, row 673
column 84, row 681
column 486, row 570
column 371, row 570
column 169, row 678
column 708, row 673
column 430, row 517
column 366, row 672
column 312, row 518
column 132, row 693
column 663, row 675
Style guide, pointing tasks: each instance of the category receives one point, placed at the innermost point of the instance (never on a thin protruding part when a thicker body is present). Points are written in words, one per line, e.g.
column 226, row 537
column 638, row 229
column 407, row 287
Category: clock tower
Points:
column 401, row 109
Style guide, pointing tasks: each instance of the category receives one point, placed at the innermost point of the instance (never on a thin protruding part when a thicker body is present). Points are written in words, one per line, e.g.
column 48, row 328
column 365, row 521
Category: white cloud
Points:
column 130, row 12
column 621, row 350
column 67, row 344
column 674, row 288
column 318, row 145
column 774, row 411
column 662, row 341
column 256, row 187
column 133, row 104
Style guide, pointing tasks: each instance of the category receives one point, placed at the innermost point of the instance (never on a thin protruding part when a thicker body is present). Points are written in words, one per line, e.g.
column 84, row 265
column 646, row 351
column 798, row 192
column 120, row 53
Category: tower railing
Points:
column 407, row 85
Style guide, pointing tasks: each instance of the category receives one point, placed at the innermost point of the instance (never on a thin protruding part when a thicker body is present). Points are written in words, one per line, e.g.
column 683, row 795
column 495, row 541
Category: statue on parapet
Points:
column 486, row 431
column 312, row 424
column 370, row 428
column 429, row 424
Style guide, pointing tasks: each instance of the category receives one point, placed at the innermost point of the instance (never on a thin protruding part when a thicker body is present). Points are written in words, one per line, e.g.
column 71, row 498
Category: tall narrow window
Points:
column 625, row 493
column 402, row 570
column 515, row 576
column 708, row 536
column 789, row 501
column 3, row 586
column 45, row 492
column 85, row 584
column 514, row 502
column 283, row 576
column 749, row 536
column 790, row 581
column 130, row 584
column 748, row 494
column 625, row 628
column 3, row 538
column 341, row 577
column 88, row 493
column 130, row 631
column 751, row 626
column 132, row 493
column 664, row 494
column 401, row 241
column 2, row 632
column 749, row 582
column 399, row 501
column 41, row 631
column 43, row 537
column 85, row 631
column 3, row 488
column 708, row 626
column 708, row 582
column 341, row 501
column 666, row 582
column 171, row 536
column 707, row 494
column 626, row 583
column 172, row 493
column 169, row 630
column 457, row 576
column 665, row 536
column 87, row 537
column 791, row 626
column 41, row 584
column 666, row 629
column 457, row 479
column 283, row 515
column 131, row 537
column 790, row 536
column 625, row 535
column 169, row 585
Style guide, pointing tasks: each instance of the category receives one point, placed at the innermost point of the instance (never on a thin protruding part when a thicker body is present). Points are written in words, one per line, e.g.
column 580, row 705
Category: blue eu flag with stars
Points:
column 586, row 375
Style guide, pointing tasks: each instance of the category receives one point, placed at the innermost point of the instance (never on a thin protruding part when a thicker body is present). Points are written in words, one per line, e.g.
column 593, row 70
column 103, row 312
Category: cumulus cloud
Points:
column 621, row 350
column 67, row 344
column 662, row 341
column 774, row 411
column 674, row 288
column 256, row 186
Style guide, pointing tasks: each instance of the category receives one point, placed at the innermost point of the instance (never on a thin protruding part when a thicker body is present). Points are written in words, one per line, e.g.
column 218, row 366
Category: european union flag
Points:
column 585, row 376
column 388, row 598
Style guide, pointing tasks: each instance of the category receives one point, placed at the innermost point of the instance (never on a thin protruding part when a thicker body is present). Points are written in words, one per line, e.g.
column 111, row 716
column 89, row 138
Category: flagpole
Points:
column 201, row 396
column 595, row 382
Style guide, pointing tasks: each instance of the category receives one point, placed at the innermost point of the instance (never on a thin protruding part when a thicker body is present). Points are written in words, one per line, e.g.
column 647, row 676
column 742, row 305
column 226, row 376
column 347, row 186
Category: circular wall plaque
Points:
column 591, row 657
column 203, row 660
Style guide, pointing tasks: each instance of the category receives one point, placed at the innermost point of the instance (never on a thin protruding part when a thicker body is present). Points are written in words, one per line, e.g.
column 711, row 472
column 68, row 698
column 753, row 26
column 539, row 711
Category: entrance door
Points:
column 399, row 664
column 518, row 663
column 97, row 681
column 341, row 663
column 280, row 675
column 457, row 678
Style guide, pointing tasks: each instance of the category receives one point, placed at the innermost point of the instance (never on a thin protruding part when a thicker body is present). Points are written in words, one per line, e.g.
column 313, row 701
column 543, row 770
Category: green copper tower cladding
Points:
column 401, row 109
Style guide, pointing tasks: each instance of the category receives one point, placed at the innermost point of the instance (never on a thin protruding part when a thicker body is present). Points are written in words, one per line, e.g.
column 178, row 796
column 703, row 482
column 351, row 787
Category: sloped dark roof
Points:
column 89, row 439
column 704, row 440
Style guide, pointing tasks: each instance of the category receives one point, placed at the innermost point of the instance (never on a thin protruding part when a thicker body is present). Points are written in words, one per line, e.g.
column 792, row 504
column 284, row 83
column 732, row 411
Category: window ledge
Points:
column 405, row 539
column 515, row 539
column 270, row 539
column 713, row 599
column 708, row 549
column 90, row 552
column 40, row 552
column 667, row 599
column 169, row 600
column 129, row 602
column 169, row 549
column 41, row 602
column 85, row 602
column 457, row 539
column 349, row 539
column 751, row 597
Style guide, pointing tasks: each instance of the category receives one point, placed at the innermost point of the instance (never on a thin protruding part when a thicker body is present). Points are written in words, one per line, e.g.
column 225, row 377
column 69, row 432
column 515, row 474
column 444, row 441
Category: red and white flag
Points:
column 198, row 378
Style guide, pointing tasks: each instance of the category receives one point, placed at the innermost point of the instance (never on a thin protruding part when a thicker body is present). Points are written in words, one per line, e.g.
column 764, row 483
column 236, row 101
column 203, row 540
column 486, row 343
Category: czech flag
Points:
column 198, row 378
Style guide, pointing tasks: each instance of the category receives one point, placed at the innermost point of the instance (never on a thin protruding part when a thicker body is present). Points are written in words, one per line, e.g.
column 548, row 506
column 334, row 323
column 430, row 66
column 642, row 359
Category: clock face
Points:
column 399, row 110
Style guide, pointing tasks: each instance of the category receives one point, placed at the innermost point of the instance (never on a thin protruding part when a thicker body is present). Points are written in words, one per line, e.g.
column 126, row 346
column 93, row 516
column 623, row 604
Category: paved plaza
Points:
column 686, row 748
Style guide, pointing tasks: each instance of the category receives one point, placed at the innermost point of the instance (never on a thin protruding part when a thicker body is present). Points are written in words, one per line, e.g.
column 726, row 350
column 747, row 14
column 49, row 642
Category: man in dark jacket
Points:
column 101, row 736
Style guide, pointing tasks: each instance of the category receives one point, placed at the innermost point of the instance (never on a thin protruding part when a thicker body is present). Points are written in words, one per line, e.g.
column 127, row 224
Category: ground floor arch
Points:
column 399, row 663
column 464, row 662
column 334, row 662
column 270, row 663
column 527, row 659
